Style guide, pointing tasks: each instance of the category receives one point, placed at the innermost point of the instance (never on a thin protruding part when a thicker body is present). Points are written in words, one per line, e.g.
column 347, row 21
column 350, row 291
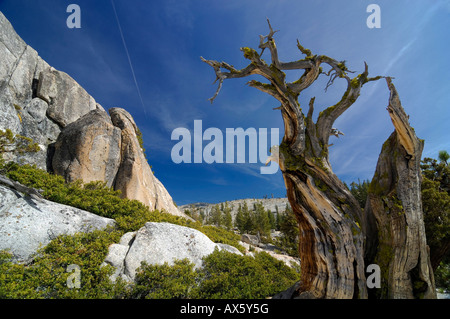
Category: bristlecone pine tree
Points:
column 337, row 239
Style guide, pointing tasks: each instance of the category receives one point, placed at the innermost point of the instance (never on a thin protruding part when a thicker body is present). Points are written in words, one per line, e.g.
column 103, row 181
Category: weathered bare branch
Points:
column 266, row 88
column 405, row 133
column 305, row 51
column 296, row 65
column 329, row 115
column 32, row 192
column 270, row 43
column 221, row 76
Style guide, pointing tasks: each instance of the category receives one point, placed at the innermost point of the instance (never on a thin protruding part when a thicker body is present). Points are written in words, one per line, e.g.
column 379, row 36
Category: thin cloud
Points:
column 426, row 17
column 129, row 58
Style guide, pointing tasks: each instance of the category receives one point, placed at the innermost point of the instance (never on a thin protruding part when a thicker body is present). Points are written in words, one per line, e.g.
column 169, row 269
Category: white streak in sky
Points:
column 129, row 59
column 420, row 26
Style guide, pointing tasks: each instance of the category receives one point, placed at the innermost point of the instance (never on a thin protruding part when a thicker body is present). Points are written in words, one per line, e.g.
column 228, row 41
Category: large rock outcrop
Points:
column 66, row 99
column 135, row 178
column 88, row 149
column 158, row 243
column 27, row 224
column 35, row 99
column 98, row 147
column 76, row 136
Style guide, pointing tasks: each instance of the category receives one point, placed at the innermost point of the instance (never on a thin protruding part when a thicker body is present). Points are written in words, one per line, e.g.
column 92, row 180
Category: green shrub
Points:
column 97, row 198
column 47, row 276
column 94, row 197
column 227, row 275
column 223, row 236
column 164, row 281
column 224, row 275
column 442, row 276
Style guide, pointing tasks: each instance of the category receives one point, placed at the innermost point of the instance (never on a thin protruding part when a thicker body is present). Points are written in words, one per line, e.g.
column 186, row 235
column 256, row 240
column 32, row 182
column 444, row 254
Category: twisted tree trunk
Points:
column 331, row 222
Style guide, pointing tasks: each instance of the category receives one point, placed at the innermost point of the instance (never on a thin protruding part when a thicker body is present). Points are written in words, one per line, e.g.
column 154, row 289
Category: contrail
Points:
column 129, row 59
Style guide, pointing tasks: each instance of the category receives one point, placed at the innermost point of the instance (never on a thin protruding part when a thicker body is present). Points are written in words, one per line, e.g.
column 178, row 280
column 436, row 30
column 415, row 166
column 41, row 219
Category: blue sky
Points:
column 165, row 40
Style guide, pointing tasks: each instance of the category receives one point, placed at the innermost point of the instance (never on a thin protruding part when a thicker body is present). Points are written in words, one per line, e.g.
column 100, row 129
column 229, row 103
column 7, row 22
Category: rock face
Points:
column 98, row 147
column 77, row 137
column 135, row 178
column 88, row 149
column 35, row 99
column 26, row 224
column 157, row 243
column 66, row 99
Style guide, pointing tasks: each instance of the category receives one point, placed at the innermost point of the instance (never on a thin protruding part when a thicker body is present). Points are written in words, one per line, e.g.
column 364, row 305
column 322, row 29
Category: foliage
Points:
column 242, row 218
column 442, row 276
column 257, row 220
column 220, row 216
column 223, row 236
column 224, row 275
column 164, row 281
column 359, row 191
column 94, row 197
column 101, row 200
column 15, row 143
column 262, row 224
column 227, row 275
column 215, row 216
column 436, row 209
column 444, row 157
column 289, row 232
column 47, row 276
column 227, row 220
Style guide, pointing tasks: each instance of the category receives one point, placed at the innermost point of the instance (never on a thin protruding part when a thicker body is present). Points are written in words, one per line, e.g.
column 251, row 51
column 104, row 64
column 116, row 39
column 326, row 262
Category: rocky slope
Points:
column 78, row 139
column 271, row 204
column 27, row 224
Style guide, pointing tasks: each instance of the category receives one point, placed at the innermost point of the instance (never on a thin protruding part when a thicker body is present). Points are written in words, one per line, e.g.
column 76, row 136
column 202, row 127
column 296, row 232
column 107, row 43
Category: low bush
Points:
column 227, row 275
column 224, row 276
column 164, row 281
column 46, row 277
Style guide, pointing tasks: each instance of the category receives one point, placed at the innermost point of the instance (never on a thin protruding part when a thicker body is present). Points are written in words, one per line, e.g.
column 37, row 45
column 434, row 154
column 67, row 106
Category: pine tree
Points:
column 216, row 216
column 248, row 220
column 290, row 231
column 262, row 222
column 226, row 216
column 239, row 221
column 272, row 220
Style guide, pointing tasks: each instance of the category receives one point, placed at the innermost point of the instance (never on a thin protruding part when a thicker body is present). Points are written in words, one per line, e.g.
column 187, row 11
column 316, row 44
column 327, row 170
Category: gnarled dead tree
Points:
column 332, row 225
